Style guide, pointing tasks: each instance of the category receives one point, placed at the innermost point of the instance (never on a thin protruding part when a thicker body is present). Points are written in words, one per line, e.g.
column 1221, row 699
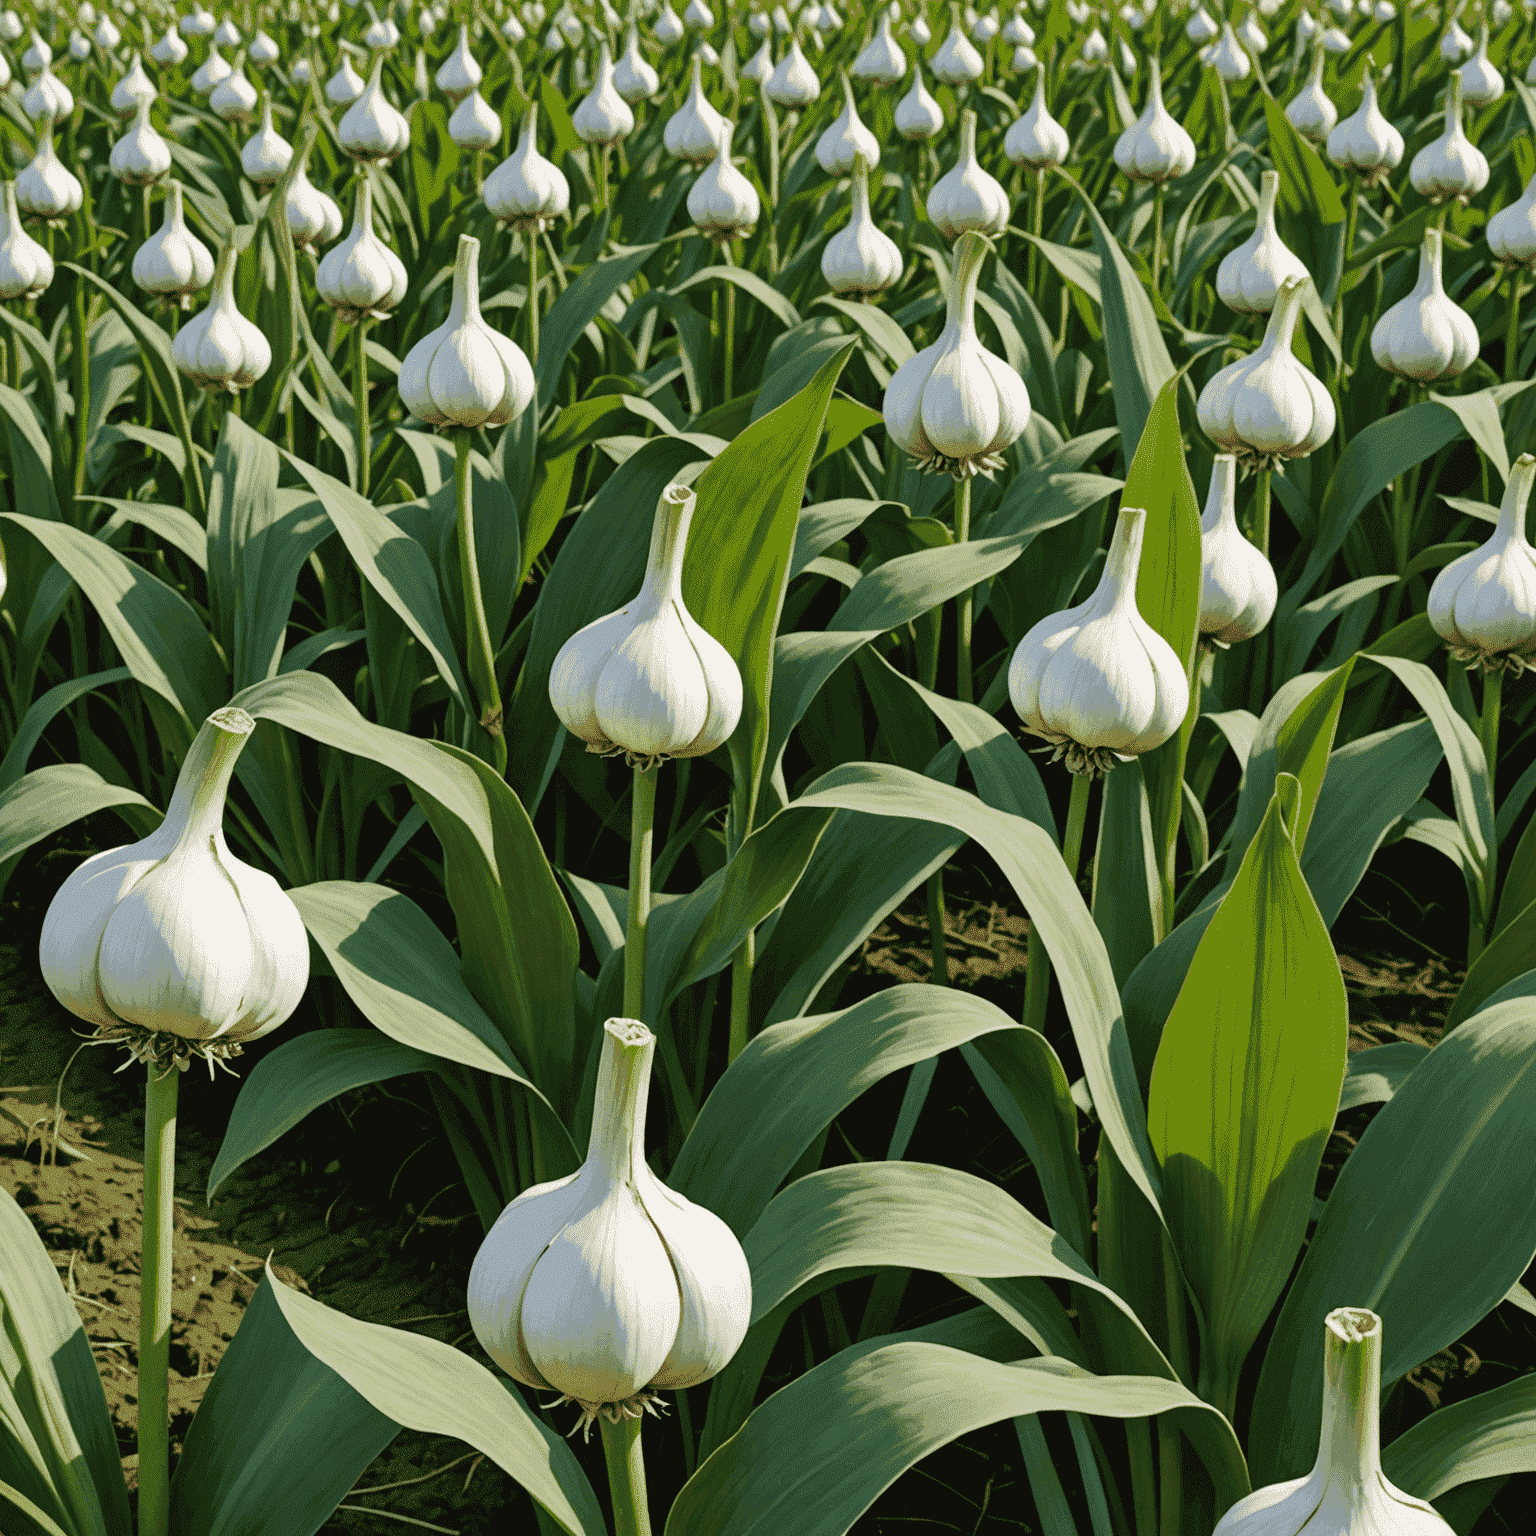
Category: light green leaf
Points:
column 36, row 805
column 1490, row 1435
column 579, row 305
column 41, row 714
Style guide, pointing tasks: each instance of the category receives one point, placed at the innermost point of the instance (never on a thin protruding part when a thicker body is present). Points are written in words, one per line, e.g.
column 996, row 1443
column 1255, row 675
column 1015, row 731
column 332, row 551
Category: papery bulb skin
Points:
column 346, row 85
column 26, row 268
column 526, row 191
column 1483, row 605
column 198, row 23
column 1452, row 166
column 1457, row 42
column 882, row 61
column 372, row 129
column 141, row 157
column 1200, row 29
column 46, row 189
column 219, row 348
column 301, row 73
column 1097, row 681
column 171, row 946
column 646, row 680
column 722, row 203
column 707, row 53
column 606, row 1285
column 954, row 407
column 266, row 154
column 1249, row 278
column 211, row 71
column 459, row 74
column 603, row 116
column 1512, row 230
column 861, row 259
column 847, row 140
column 1307, row 30
column 667, row 29
column 918, row 115
column 692, row 132
column 1155, row 147
column 79, row 46
column 1365, row 142
column 793, row 82
column 1227, row 57
column 10, row 25
column 473, row 124
column 633, row 77
column 1266, row 407
column 134, row 86
column 313, row 217
column 1346, row 1491
column 698, row 17
column 1238, row 591
column 1426, row 336
column 759, row 68
column 173, row 262
column 360, row 277
column 1251, row 35
column 1481, row 83
column 234, row 98
column 967, row 197
column 47, row 96
column 464, row 374
column 263, row 52
column 1310, row 111
column 1035, row 139
column 985, row 29
column 170, row 50
column 955, row 61
column 106, row 36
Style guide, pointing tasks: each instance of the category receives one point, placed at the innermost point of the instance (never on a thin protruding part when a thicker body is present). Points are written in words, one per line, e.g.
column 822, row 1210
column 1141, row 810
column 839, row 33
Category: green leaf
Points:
column 1490, row 1435
column 750, row 284
column 41, row 714
column 579, row 305
column 40, row 802
column 1306, row 189
column 1375, row 1074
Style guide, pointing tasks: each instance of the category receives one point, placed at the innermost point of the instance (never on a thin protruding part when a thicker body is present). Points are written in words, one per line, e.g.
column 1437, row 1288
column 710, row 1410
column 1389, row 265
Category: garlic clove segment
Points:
column 692, row 132
column 1035, row 139
column 1310, row 111
column 1365, row 142
column 173, row 262
column 1428, row 335
column 1481, row 83
column 171, row 946
column 633, row 77
column 722, row 202
column 219, row 348
column 26, row 268
column 860, row 258
column 882, row 61
column 526, row 191
column 1238, row 591
column 967, row 197
column 372, row 129
column 1155, row 147
column 847, row 140
column 46, row 188
column 1249, row 278
column 918, row 115
column 1451, row 166
column 266, row 154
column 459, row 74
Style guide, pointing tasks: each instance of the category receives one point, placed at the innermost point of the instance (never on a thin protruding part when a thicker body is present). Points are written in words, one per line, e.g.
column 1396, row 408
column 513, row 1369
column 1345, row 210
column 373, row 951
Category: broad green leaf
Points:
column 1510, row 953
column 876, row 324
column 1490, row 1435
column 578, row 307
column 1377, row 1073
column 1296, row 634
column 1306, row 189
column 39, row 803
column 822, row 525
column 170, row 524
column 750, row 284
column 1304, row 745
column 41, row 714
column 1127, row 889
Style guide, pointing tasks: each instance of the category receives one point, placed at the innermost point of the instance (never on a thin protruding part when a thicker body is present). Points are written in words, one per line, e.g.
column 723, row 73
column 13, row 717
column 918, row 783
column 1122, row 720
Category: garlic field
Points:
column 804, row 656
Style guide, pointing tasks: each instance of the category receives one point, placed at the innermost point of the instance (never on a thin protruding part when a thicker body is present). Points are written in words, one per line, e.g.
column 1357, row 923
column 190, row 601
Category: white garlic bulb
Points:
column 668, row 28
column 1095, row 50
column 512, row 29
column 234, row 98
column 465, row 374
column 759, row 68
column 793, row 82
column 722, row 202
column 227, row 34
column 526, row 191
column 1238, row 591
column 26, row 268
column 1251, row 35
column 603, row 116
column 633, row 77
column 1267, row 406
column 313, row 217
column 38, row 55
column 1155, row 147
column 1035, row 139
column 1512, row 230
column 473, row 124
column 266, row 154
column 170, row 49
column 647, row 680
column 198, row 23
column 698, row 17
column 707, row 53
column 372, row 128
column 607, row 1286
column 920, row 32
column 955, row 61
column 1457, row 42
column 1024, row 57
column 47, row 96
column 860, row 258
column 173, row 936
column 984, row 29
column 1200, row 29
column 1483, row 605
column 692, row 132
column 212, row 70
column 1335, row 40
column 459, row 74
column 918, row 115
column 1365, row 142
column 10, row 25
column 847, row 140
column 882, row 61
column 1310, row 111
column 302, row 72
column 360, row 277
column 1451, row 166
column 759, row 25
column 263, row 52
column 79, row 46
column 106, row 35
column 134, row 86
column 1018, row 33
column 47, row 189
column 967, row 197
column 173, row 262
column 219, row 348
column 1346, row 1490
column 141, row 157
column 1097, row 681
column 1306, row 29
column 1481, row 83
column 346, row 85
column 954, row 406
column 381, row 34
column 1426, row 336
column 1249, row 278
column 1228, row 58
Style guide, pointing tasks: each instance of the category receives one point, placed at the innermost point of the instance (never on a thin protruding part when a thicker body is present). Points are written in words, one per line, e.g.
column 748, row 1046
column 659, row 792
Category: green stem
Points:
column 362, row 427
column 741, row 995
column 626, row 1477
column 1077, row 819
column 602, row 177
column 1036, row 227
column 730, row 324
column 478, row 648
column 532, row 240
column 642, row 818
column 1157, row 236
column 1138, row 1444
column 1488, row 733
column 1512, row 327
column 1261, row 513
column 80, row 343
column 1349, row 245
column 938, row 947
column 155, row 1302
column 1169, row 1445
column 963, row 685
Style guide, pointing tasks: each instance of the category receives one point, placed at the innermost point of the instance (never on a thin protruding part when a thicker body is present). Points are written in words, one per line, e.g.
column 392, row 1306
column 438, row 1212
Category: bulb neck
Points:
column 617, row 1143
column 669, row 540
column 1453, row 104
column 1038, row 106
column 696, row 87
column 1155, row 87
column 376, row 77
column 1123, row 563
column 175, row 218
column 860, row 194
column 224, row 278
column 1349, row 1449
column 727, row 130
column 970, row 251
column 1318, row 60
column 849, row 109
column 1429, row 263
column 465, row 309
column 1269, row 188
column 12, row 212
column 141, row 112
column 525, row 140
column 196, row 812
column 968, row 138
column 1282, row 319
column 1221, row 499
column 1517, row 493
column 362, row 213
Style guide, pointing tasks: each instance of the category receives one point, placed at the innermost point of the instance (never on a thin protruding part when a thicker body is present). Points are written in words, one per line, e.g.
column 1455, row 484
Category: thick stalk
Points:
column 602, row 177
column 478, row 648
column 626, row 1477
column 1157, row 236
column 1488, row 733
column 741, row 996
column 155, row 1302
column 1036, row 227
column 1261, row 512
column 1077, row 819
column 80, row 343
column 1169, row 1442
column 642, row 819
column 362, row 427
column 532, row 240
column 1512, row 328
column 1349, row 245
column 937, row 945
column 729, row 348
column 963, row 687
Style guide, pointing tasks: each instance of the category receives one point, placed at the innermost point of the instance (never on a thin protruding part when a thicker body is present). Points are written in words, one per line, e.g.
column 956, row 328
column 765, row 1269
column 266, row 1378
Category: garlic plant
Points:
column 459, row 74
column 313, row 217
column 1228, row 58
column 266, row 154
column 372, row 129
column 46, row 188
column 170, row 50
column 1310, row 111
column 263, row 52
column 346, row 85
column 1238, row 591
column 527, row 192
column 668, row 28
column 1155, row 148
column 234, row 98
column 646, row 680
column 956, row 61
column 633, row 77
column 1451, row 166
column 1249, row 278
column 692, row 132
column 173, row 262
column 966, row 197
column 860, row 258
column 1426, row 336
column 793, row 82
column 602, row 116
column 1200, row 29
column 1512, row 231
column 1365, row 142
column 882, row 61
column 918, row 115
column 1097, row 681
column 473, row 124
column 141, row 157
column 846, row 141
column 135, row 84
column 1481, row 83
column 210, row 72
column 219, row 348
column 759, row 68
column 1456, row 43
column 47, row 97
column 360, row 277
column 722, row 203
column 26, row 268
column 1035, row 139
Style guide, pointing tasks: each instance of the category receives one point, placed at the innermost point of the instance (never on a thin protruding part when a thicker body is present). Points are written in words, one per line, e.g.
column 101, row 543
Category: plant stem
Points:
column 642, row 818
column 730, row 324
column 1512, row 328
column 1488, row 733
column 1157, row 236
column 1169, row 1444
column 742, row 963
column 478, row 648
column 532, row 241
column 938, row 947
column 362, row 427
column 1349, row 245
column 155, row 1302
column 1261, row 513
column 1077, row 819
column 626, row 1477
column 602, row 178
column 963, row 688
column 81, row 344
column 1036, row 226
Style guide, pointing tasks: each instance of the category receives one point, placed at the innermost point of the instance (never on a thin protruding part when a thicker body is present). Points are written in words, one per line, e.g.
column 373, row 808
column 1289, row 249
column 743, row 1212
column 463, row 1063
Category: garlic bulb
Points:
column 1018, row 32
column 360, row 277
column 759, row 68
column 380, row 34
column 722, row 202
column 1483, row 605
column 603, row 116
column 134, row 86
column 26, row 268
column 346, row 85
column 860, row 258
column 371, row 128
column 1155, row 147
column 1306, row 30
column 1237, row 584
column 1365, row 142
column 698, row 17
column 38, row 55
column 5, row 73
column 759, row 25
column 1452, row 166
column 668, row 28
column 1024, row 57
column 1335, row 40
column 514, row 32
column 1346, row 1490
column 1481, row 83
column 707, row 53
column 313, row 217
column 173, row 261
column 1227, row 57
column 1249, row 278
column 646, row 680
column 1095, row 50
column 1426, row 336
column 1266, row 406
column 1035, row 139
column 693, row 131
column 1512, row 230
column 1097, row 681
column 1310, row 111
column 1457, row 42
column 79, row 46
column 955, row 61
column 847, row 140
column 227, row 34
column 606, row 1285
column 526, row 191
column 212, row 70
column 170, row 49
column 47, row 96
column 793, row 82
column 459, row 74
column 473, row 124
column 106, row 36
column 10, row 25
column 46, row 189
column 171, row 945
column 263, row 52
column 234, row 97
column 954, row 407
column 1200, row 29
column 141, row 157
column 219, row 348
column 984, row 29
column 918, row 115
column 198, row 23
column 464, row 374
column 302, row 72
column 633, row 77
column 266, row 154
column 1251, row 35
column 967, row 197
column 882, row 61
